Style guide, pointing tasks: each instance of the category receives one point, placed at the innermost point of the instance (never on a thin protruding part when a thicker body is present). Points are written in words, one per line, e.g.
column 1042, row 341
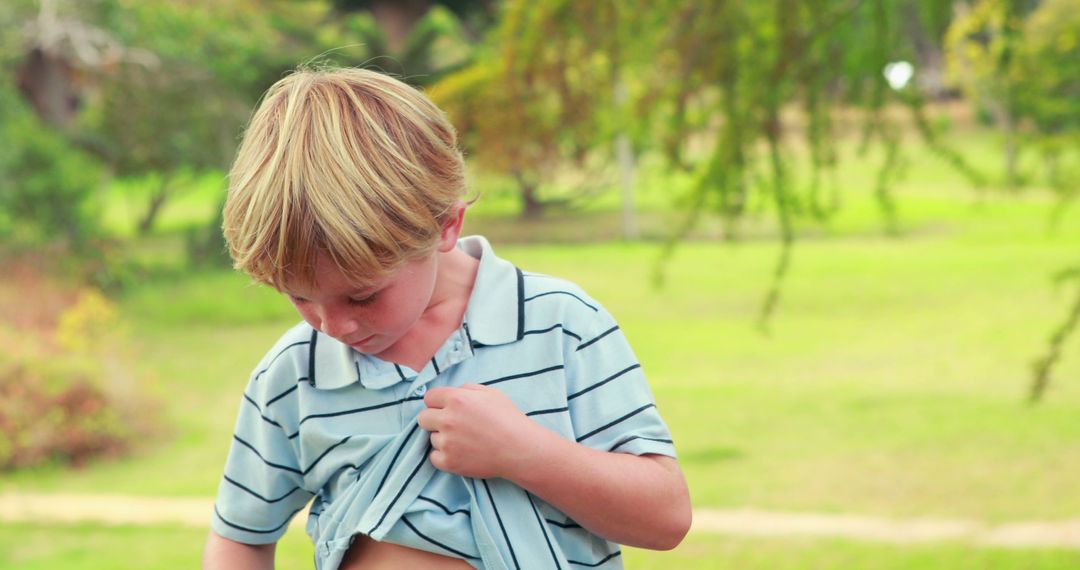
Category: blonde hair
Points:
column 347, row 163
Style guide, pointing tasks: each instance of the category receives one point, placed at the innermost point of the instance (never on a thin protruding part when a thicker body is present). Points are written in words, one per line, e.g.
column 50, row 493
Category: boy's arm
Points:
column 477, row 431
column 221, row 553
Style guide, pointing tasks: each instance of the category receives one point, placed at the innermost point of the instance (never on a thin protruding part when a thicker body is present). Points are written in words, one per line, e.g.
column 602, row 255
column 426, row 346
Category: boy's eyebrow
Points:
column 369, row 291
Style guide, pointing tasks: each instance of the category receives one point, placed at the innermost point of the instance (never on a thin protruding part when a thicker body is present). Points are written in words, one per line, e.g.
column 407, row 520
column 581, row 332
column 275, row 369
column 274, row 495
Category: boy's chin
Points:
column 365, row 345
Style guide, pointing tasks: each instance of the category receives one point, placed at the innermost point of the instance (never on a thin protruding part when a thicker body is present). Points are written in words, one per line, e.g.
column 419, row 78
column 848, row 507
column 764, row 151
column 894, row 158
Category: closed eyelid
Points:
column 363, row 300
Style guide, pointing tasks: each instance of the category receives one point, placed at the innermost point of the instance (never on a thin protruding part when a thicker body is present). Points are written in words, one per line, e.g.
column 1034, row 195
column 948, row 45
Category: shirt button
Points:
column 421, row 390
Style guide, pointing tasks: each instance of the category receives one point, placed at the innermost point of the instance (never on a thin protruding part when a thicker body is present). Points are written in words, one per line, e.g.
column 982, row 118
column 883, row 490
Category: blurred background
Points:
column 840, row 234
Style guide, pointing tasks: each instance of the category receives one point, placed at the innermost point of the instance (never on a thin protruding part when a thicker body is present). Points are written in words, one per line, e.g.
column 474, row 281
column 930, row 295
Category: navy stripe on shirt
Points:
column 444, row 507
column 524, row 375
column 502, row 527
column 604, row 381
column 598, row 337
column 546, row 293
column 255, row 530
column 616, row 422
column 599, row 562
column 257, row 495
column 543, row 530
column 435, row 542
column 276, row 356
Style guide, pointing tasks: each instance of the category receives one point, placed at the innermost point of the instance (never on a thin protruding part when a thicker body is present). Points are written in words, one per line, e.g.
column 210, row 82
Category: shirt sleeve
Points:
column 262, row 488
column 610, row 403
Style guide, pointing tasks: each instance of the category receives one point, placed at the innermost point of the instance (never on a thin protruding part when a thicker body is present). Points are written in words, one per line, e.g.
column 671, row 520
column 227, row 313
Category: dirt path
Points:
column 114, row 509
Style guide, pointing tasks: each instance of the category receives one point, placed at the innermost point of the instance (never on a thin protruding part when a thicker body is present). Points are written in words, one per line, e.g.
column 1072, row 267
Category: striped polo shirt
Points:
column 321, row 421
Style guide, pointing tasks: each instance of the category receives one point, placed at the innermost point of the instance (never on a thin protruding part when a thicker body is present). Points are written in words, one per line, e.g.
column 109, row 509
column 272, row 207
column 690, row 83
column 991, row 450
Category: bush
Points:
column 66, row 391
column 69, row 425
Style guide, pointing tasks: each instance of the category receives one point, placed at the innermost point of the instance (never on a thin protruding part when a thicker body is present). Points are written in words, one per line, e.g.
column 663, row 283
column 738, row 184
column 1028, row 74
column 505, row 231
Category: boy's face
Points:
column 371, row 320
column 374, row 320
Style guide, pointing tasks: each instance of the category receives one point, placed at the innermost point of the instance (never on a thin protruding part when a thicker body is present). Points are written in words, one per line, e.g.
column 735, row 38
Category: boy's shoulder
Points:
column 546, row 297
column 503, row 291
column 287, row 359
column 564, row 291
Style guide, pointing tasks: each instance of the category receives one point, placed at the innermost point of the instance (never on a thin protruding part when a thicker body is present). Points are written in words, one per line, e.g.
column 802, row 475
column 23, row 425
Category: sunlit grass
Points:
column 93, row 547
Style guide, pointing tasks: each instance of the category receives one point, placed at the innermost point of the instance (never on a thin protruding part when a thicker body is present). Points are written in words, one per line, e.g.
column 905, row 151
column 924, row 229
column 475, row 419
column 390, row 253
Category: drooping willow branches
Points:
column 738, row 94
column 718, row 76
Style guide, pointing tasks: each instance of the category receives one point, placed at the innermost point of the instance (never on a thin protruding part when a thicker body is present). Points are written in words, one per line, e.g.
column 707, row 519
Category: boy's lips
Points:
column 361, row 342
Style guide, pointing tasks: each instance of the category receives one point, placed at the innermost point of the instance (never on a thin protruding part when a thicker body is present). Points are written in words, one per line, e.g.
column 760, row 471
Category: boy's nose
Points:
column 337, row 325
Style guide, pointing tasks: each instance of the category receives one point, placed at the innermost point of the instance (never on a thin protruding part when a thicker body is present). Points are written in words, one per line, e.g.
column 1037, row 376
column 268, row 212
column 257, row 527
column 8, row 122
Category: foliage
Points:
column 205, row 246
column 181, row 112
column 91, row 317
column 709, row 85
column 66, row 394
column 46, row 182
column 1019, row 60
column 147, row 123
column 70, row 425
column 435, row 44
column 1044, row 366
column 540, row 97
column 1047, row 67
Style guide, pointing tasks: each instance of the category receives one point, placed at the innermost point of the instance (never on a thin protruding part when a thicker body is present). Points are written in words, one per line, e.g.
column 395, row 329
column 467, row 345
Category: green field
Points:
column 892, row 380
column 86, row 547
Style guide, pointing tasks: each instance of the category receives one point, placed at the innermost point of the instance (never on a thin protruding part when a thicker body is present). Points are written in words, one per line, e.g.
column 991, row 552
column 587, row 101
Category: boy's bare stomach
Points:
column 368, row 554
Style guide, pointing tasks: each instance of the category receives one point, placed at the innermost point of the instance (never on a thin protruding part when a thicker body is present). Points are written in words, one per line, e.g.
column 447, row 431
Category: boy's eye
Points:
column 363, row 301
column 297, row 300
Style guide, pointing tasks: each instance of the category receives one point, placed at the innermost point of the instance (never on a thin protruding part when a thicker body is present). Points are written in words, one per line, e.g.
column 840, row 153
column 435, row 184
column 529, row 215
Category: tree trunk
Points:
column 624, row 156
column 531, row 206
column 157, row 201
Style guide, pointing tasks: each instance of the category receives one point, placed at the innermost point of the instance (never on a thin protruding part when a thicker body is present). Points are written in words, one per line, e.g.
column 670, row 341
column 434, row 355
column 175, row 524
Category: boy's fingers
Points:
column 428, row 420
column 438, row 397
column 438, row 459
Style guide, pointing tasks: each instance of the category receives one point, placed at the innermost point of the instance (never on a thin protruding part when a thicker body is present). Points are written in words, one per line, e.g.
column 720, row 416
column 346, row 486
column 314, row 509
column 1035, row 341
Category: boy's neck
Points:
column 456, row 274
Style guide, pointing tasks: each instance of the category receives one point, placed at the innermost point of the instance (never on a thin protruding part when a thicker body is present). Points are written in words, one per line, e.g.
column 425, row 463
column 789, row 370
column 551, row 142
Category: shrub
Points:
column 68, row 425
column 65, row 386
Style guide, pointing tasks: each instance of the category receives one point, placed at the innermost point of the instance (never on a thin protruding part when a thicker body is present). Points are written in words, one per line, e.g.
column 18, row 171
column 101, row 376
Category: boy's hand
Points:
column 476, row 431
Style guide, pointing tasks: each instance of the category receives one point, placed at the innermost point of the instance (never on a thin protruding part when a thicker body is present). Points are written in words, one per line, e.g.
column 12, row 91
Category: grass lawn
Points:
column 88, row 547
column 892, row 381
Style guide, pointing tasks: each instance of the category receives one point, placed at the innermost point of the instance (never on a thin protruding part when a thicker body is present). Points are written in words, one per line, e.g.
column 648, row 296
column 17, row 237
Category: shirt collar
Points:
column 494, row 315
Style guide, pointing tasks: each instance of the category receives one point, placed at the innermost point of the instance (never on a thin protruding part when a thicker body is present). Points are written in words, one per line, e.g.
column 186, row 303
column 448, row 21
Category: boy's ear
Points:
column 452, row 227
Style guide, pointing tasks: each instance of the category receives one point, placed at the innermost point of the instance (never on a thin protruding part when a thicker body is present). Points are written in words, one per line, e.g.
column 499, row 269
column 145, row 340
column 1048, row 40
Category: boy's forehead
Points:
column 327, row 278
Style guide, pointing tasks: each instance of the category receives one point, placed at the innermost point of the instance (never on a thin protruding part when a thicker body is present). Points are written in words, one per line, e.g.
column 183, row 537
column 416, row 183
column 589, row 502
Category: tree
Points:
column 182, row 112
column 1047, row 73
column 713, row 75
column 46, row 182
column 983, row 44
column 540, row 97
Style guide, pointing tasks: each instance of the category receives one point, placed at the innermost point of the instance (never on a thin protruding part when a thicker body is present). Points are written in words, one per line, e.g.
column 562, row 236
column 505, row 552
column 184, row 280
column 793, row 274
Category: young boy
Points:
column 443, row 408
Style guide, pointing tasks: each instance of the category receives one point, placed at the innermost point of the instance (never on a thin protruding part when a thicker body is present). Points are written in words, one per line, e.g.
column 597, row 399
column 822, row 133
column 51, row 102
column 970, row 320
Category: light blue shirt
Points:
column 319, row 419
